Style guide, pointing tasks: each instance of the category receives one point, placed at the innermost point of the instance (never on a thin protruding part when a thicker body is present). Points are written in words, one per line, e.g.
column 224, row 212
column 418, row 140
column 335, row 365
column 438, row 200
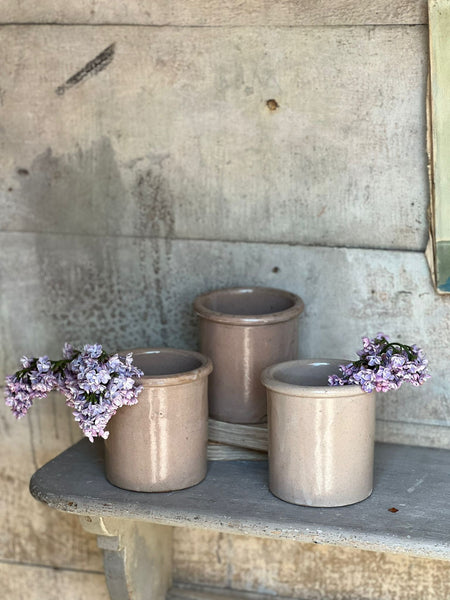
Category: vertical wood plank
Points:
column 171, row 135
column 439, row 11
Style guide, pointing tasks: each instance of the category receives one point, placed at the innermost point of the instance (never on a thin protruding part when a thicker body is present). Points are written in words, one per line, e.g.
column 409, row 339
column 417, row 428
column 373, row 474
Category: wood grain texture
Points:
column 128, row 292
column 218, row 451
column 306, row 571
column 30, row 533
column 190, row 592
column 433, row 436
column 166, row 132
column 28, row 582
column 242, row 436
column 218, row 13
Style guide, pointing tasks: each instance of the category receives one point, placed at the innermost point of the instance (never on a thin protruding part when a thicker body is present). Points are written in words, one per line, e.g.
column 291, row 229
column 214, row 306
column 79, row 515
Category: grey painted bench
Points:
column 135, row 529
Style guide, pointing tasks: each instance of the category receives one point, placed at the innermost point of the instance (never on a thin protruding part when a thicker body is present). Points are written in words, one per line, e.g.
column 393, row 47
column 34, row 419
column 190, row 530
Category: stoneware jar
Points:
column 160, row 443
column 244, row 330
column 321, row 438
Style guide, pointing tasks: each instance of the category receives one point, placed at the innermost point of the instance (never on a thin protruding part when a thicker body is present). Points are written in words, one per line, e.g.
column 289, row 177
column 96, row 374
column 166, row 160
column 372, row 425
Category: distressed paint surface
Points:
column 414, row 433
column 169, row 134
column 218, row 13
column 235, row 498
column 134, row 292
column 306, row 571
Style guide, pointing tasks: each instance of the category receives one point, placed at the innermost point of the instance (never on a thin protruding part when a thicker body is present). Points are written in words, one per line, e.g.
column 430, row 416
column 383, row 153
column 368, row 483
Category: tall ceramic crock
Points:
column 160, row 443
column 321, row 438
column 244, row 330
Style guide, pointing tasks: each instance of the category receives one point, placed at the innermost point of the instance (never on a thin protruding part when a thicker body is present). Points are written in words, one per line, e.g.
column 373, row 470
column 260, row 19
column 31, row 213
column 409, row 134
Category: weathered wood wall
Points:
column 218, row 12
column 141, row 165
column 306, row 571
column 174, row 138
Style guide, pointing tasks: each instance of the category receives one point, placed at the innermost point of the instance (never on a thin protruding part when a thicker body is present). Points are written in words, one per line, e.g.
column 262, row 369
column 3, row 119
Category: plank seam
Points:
column 173, row 26
column 179, row 587
column 4, row 561
column 209, row 240
column 442, row 424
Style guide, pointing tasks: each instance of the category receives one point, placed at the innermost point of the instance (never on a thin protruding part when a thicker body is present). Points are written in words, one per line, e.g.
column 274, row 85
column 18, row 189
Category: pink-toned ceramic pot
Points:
column 244, row 330
column 160, row 443
column 321, row 438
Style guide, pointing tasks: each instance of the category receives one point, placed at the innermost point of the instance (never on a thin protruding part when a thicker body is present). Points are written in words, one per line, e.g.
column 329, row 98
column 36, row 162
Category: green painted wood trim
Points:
column 439, row 26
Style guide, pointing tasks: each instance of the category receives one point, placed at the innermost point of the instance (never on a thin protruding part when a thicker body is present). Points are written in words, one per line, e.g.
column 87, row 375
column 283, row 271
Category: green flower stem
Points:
column 409, row 351
column 59, row 366
column 56, row 366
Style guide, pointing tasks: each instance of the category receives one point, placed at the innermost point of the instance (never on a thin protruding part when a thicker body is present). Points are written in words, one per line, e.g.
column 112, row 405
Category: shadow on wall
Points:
column 102, row 277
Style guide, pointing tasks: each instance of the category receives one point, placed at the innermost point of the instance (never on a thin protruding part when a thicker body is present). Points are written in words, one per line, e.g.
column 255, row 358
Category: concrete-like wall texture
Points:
column 142, row 165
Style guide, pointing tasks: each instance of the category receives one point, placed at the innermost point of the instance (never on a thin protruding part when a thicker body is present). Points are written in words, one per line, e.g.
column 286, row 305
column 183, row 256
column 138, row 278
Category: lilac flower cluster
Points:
column 384, row 366
column 34, row 381
column 94, row 384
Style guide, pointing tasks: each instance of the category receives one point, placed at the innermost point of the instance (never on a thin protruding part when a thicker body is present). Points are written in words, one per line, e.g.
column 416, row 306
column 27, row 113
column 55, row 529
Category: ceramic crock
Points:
column 244, row 330
column 160, row 443
column 321, row 438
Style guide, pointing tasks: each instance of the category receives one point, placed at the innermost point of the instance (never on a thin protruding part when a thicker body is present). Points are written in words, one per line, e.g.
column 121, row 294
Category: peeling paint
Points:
column 156, row 218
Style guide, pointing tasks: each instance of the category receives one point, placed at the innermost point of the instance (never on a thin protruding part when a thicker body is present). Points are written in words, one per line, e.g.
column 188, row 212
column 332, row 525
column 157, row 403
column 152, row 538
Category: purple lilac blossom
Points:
column 94, row 384
column 383, row 365
column 95, row 390
column 20, row 392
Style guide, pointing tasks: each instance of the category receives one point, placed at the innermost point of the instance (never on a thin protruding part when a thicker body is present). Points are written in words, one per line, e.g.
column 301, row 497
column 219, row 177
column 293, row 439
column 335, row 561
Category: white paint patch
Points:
column 416, row 485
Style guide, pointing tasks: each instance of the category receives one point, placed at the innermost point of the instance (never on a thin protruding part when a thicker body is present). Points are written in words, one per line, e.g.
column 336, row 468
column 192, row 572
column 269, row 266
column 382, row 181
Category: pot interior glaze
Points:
column 307, row 373
column 248, row 301
column 308, row 378
column 158, row 363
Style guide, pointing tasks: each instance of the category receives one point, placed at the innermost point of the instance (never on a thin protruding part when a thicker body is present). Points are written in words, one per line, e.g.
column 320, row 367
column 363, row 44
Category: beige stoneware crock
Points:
column 321, row 438
column 160, row 443
column 244, row 330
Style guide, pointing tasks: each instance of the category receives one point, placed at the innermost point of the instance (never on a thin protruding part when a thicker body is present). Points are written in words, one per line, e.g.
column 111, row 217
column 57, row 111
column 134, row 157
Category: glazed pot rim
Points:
column 253, row 319
column 270, row 380
column 179, row 378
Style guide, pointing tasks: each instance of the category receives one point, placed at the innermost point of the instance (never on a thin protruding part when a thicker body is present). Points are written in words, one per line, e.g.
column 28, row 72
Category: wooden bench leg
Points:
column 137, row 557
